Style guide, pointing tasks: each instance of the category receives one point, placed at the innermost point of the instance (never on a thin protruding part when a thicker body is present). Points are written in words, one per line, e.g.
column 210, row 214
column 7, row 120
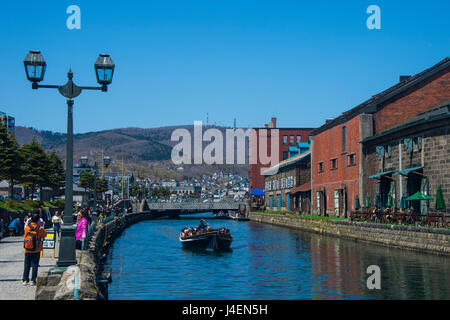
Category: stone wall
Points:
column 405, row 237
column 88, row 275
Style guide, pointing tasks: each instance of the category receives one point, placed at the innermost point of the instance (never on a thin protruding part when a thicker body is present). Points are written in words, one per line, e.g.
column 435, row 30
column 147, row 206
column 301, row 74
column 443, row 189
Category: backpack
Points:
column 31, row 239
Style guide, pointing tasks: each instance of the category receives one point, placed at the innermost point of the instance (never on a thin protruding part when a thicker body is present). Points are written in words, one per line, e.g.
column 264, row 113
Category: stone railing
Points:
column 434, row 240
column 88, row 280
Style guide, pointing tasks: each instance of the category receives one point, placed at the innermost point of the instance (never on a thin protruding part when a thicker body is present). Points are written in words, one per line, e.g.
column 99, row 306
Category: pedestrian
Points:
column 34, row 234
column 1, row 228
column 15, row 225
column 57, row 221
column 40, row 221
column 82, row 228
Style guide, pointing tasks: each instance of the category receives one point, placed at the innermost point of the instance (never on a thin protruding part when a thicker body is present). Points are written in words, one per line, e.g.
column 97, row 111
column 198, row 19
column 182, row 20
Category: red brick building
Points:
column 288, row 140
column 338, row 159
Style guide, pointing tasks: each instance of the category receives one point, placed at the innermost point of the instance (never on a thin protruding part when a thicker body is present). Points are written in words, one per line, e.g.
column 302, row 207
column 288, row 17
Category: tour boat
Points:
column 213, row 239
column 237, row 216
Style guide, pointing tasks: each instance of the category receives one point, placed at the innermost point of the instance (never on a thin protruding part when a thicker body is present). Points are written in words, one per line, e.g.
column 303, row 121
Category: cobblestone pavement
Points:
column 11, row 269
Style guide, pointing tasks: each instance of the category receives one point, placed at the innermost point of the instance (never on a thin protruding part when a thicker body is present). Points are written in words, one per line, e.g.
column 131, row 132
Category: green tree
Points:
column 35, row 166
column 56, row 171
column 10, row 159
column 86, row 181
column 102, row 185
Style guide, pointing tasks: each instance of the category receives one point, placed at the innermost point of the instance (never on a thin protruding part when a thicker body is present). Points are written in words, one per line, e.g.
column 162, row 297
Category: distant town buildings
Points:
column 7, row 122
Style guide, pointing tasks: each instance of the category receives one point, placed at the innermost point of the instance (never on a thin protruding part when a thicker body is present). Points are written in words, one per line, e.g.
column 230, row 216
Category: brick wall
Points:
column 328, row 146
column 255, row 177
column 415, row 100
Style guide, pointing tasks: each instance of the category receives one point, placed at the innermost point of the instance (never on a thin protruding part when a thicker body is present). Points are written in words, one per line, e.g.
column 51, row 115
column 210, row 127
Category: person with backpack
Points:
column 34, row 234
column 40, row 221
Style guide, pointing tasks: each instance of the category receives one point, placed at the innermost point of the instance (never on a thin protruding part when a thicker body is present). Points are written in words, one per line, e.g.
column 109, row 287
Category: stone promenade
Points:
column 11, row 269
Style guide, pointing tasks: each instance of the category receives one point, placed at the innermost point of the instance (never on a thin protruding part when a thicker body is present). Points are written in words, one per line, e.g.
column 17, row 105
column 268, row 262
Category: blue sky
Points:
column 301, row 61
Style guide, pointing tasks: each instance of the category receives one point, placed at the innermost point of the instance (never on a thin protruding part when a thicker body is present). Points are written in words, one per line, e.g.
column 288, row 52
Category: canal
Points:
column 266, row 262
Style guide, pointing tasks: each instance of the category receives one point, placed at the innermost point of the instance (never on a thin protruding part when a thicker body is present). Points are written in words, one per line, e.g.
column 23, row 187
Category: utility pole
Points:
column 122, row 182
column 103, row 167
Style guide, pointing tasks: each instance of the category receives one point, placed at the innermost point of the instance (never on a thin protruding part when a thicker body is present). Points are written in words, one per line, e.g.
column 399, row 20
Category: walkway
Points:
column 11, row 269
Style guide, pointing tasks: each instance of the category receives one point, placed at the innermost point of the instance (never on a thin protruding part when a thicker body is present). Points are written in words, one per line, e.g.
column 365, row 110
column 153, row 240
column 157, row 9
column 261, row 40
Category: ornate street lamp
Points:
column 104, row 69
column 35, row 69
column 106, row 161
column 84, row 161
column 34, row 66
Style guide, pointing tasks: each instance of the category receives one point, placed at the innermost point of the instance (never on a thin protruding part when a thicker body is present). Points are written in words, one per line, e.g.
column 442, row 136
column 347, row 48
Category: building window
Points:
column 344, row 138
column 285, row 155
column 380, row 151
column 318, row 199
column 299, row 139
column 333, row 164
column 336, row 202
column 291, row 140
column 320, row 166
column 352, row 159
column 285, row 141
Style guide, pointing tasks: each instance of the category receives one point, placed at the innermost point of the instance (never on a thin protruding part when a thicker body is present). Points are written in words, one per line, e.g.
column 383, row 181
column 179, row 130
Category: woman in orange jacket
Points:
column 34, row 234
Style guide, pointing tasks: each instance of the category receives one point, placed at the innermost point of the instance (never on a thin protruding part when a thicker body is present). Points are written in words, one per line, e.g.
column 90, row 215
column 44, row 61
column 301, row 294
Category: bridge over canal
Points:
column 175, row 208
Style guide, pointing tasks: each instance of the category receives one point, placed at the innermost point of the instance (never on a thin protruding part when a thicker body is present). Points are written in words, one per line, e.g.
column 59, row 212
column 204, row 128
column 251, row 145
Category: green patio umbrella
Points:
column 377, row 202
column 419, row 196
column 390, row 201
column 357, row 205
column 440, row 203
column 367, row 203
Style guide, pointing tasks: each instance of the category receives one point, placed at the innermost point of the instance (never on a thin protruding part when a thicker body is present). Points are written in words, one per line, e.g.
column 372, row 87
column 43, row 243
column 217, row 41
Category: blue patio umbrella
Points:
column 368, row 202
column 357, row 205
column 390, row 201
column 404, row 204
column 377, row 202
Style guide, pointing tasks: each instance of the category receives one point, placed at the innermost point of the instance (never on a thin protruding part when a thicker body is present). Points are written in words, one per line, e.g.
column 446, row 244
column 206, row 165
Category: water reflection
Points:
column 267, row 262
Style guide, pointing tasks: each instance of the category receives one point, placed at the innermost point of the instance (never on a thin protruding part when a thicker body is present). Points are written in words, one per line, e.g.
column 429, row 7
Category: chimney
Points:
column 328, row 120
column 274, row 122
column 403, row 78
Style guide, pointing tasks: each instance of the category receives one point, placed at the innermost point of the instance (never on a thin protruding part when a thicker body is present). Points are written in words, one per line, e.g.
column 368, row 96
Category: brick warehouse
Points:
column 338, row 162
column 288, row 138
column 413, row 156
column 282, row 182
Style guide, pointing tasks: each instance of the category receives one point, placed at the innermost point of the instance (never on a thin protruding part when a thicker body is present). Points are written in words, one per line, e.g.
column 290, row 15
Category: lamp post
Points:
column 35, row 67
column 94, row 213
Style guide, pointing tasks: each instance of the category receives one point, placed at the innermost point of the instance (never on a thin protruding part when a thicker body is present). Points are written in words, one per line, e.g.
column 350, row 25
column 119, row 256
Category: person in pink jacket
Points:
column 82, row 228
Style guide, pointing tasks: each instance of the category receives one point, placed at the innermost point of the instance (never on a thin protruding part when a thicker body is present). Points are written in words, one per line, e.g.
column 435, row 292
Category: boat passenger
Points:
column 201, row 226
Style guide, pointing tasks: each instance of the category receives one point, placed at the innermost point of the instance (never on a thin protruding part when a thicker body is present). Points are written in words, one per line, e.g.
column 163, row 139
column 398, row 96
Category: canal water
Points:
column 266, row 262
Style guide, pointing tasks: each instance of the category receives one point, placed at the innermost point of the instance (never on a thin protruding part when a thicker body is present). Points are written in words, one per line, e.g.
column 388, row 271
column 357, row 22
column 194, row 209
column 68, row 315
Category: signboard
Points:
column 49, row 241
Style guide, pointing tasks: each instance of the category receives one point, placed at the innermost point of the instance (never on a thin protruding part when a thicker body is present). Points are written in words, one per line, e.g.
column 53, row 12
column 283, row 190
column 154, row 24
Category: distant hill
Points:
column 143, row 150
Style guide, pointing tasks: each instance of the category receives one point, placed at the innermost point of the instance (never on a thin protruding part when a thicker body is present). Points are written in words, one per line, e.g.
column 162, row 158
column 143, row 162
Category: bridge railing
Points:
column 193, row 200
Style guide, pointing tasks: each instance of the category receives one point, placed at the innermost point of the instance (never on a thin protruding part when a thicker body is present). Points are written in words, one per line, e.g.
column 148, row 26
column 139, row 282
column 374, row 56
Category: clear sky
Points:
column 301, row 61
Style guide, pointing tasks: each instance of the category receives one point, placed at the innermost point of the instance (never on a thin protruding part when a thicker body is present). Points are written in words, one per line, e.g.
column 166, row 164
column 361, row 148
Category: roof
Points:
column 303, row 188
column 285, row 163
column 408, row 170
column 439, row 112
column 258, row 192
column 370, row 105
column 380, row 174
